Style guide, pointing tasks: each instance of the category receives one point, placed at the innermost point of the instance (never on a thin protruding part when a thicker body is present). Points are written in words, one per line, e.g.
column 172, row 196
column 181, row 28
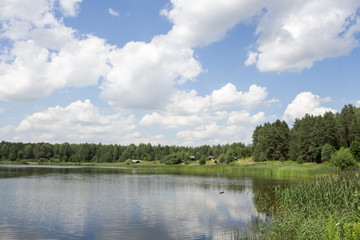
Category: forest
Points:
column 311, row 139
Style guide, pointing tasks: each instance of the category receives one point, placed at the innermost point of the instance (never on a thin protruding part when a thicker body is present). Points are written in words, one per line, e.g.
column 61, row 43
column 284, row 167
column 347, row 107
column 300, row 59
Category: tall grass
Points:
column 324, row 208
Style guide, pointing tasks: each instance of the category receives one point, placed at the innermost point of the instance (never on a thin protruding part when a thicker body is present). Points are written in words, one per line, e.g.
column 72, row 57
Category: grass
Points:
column 325, row 208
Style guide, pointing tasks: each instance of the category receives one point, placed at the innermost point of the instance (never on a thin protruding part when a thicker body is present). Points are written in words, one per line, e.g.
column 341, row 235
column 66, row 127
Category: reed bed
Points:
column 325, row 208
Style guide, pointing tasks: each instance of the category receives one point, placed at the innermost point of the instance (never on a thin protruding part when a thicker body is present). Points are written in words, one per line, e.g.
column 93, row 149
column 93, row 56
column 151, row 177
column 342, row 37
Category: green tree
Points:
column 202, row 160
column 173, row 158
column 355, row 150
column 348, row 122
column 326, row 152
column 222, row 157
column 271, row 140
column 343, row 159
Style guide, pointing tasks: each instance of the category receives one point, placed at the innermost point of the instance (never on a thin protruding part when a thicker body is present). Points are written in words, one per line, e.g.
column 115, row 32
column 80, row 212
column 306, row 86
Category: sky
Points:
column 172, row 72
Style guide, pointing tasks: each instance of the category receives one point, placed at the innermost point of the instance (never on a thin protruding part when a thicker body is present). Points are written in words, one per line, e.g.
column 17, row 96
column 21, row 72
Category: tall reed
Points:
column 324, row 208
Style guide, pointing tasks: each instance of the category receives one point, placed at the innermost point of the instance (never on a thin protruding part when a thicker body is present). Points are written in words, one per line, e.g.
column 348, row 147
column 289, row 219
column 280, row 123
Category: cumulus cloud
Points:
column 213, row 133
column 228, row 96
column 239, row 126
column 244, row 117
column 44, row 55
column 203, row 120
column 70, row 8
column 188, row 103
column 204, row 21
column 34, row 11
column 305, row 103
column 113, row 12
column 294, row 36
column 78, row 122
column 32, row 75
column 186, row 108
column 143, row 75
column 146, row 74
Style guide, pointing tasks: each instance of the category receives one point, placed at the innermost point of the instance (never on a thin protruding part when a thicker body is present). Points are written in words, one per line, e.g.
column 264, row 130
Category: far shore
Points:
column 287, row 169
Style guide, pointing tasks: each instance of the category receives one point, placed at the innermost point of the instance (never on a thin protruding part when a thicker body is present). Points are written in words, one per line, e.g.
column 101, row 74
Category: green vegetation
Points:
column 325, row 208
column 343, row 159
column 311, row 139
column 114, row 153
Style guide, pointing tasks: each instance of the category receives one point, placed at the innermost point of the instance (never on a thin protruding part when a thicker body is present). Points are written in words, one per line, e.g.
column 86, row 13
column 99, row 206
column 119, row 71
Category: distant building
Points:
column 192, row 158
column 136, row 161
column 209, row 158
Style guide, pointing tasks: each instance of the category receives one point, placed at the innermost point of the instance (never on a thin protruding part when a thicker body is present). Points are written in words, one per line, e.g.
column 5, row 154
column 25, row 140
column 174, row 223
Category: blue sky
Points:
column 180, row 72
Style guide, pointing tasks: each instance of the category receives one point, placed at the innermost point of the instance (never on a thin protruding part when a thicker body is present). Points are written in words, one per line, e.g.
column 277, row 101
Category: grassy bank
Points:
column 325, row 208
column 274, row 169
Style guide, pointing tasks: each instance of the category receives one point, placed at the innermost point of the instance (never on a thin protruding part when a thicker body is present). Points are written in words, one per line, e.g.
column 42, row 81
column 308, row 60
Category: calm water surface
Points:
column 99, row 203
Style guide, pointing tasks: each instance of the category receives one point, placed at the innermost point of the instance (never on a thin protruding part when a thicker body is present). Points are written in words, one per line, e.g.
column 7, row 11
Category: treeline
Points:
column 88, row 152
column 311, row 139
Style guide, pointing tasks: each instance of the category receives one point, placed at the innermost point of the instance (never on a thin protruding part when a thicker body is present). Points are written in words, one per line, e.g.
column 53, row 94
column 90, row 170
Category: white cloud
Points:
column 228, row 96
column 44, row 55
column 78, row 122
column 6, row 129
column 186, row 108
column 188, row 103
column 24, row 79
column 214, row 133
column 205, row 21
column 305, row 103
column 244, row 117
column 35, row 72
column 357, row 104
column 113, row 12
column 171, row 121
column 198, row 120
column 80, row 62
column 143, row 75
column 294, row 36
column 34, row 11
column 70, row 8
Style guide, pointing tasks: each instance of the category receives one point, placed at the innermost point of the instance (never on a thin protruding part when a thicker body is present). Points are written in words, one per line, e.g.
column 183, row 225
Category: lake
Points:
column 45, row 202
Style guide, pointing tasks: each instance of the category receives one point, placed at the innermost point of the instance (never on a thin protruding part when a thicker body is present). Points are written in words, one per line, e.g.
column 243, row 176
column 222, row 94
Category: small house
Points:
column 136, row 161
column 192, row 158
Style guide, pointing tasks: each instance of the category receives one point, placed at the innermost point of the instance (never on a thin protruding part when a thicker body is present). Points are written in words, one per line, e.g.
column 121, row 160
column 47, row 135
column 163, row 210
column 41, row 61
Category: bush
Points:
column 343, row 159
column 222, row 158
column 262, row 158
column 129, row 162
column 23, row 161
column 202, row 160
column 55, row 160
column 173, row 158
column 300, row 160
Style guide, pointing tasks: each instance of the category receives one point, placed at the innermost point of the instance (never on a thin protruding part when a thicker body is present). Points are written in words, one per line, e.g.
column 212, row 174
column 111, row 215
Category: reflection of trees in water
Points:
column 264, row 194
column 264, row 199
column 13, row 171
